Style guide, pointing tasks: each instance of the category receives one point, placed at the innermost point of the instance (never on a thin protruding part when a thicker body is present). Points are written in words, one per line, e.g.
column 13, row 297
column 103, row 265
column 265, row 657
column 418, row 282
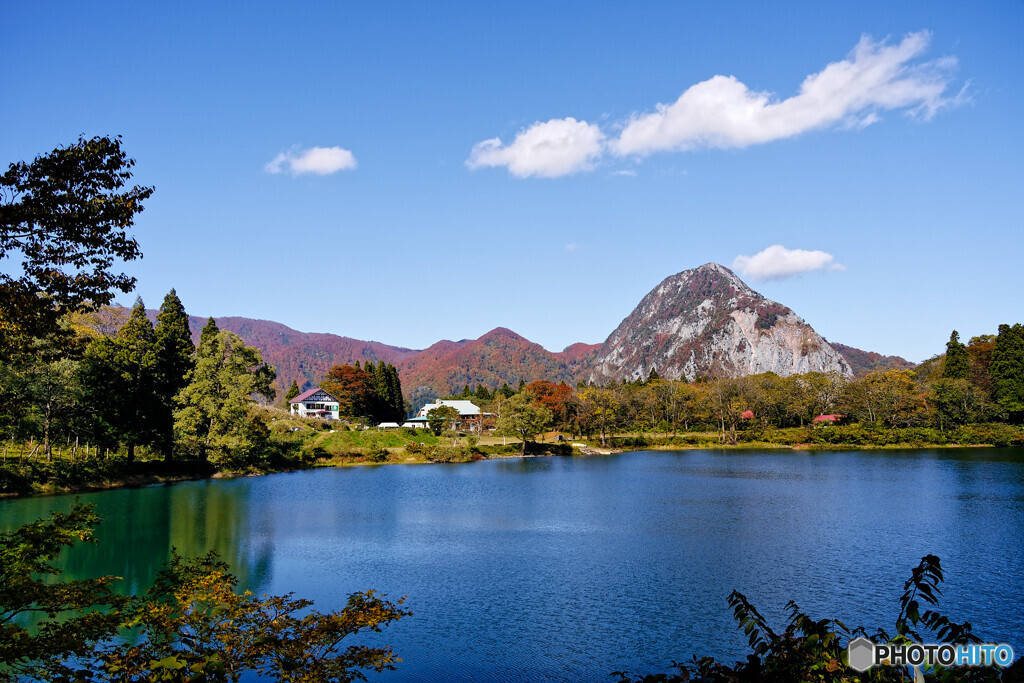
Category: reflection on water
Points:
column 139, row 528
column 570, row 568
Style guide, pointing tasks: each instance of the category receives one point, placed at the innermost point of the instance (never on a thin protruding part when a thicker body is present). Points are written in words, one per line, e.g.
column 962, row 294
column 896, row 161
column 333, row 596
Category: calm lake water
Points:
column 571, row 568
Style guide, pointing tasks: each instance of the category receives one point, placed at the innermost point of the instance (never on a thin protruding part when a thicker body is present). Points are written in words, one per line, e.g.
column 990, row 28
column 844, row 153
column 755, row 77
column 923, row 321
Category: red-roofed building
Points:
column 827, row 419
column 315, row 403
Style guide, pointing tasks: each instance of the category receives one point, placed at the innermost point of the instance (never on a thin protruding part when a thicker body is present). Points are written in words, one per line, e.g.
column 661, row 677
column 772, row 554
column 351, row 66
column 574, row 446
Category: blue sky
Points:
column 407, row 172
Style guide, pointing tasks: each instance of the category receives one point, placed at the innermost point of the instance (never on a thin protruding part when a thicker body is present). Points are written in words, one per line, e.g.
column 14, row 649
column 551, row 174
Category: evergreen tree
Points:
column 1007, row 369
column 505, row 390
column 482, row 394
column 175, row 357
column 293, row 391
column 208, row 333
column 357, row 366
column 120, row 378
column 384, row 403
column 522, row 384
column 397, row 399
column 957, row 364
column 653, row 376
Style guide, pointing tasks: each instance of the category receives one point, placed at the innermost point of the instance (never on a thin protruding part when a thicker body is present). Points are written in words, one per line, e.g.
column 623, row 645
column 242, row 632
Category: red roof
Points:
column 747, row 415
column 306, row 394
column 827, row 418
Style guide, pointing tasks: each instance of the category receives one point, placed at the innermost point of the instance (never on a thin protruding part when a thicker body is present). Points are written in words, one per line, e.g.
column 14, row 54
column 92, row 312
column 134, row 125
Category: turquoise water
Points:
column 570, row 568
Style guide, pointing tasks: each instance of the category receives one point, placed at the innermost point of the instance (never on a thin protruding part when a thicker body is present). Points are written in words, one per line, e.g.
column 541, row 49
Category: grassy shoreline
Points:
column 313, row 448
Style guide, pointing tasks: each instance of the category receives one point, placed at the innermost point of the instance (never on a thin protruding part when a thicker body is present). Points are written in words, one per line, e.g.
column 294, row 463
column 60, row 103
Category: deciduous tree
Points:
column 213, row 420
column 65, row 219
column 441, row 419
column 522, row 416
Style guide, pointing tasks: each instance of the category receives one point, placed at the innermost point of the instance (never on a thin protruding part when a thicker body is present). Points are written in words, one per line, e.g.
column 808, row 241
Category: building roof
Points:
column 827, row 418
column 464, row 407
column 309, row 392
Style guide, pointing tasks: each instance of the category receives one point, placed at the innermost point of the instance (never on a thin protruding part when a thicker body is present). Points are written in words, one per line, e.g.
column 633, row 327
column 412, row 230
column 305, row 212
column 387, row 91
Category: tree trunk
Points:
column 131, row 452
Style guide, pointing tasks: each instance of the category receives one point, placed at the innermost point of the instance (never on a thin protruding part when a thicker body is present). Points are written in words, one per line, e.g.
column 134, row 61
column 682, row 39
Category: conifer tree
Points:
column 293, row 391
column 397, row 399
column 482, row 394
column 120, row 377
column 466, row 393
column 1007, row 369
column 175, row 357
column 356, row 366
column 383, row 407
column 208, row 334
column 957, row 364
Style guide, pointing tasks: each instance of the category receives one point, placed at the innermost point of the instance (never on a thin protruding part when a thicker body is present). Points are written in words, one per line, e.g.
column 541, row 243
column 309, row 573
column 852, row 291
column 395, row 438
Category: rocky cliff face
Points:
column 707, row 320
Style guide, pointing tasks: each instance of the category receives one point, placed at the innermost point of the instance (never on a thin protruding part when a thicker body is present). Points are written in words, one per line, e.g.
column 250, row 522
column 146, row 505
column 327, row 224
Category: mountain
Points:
column 694, row 323
column 498, row 357
column 706, row 320
column 864, row 362
column 301, row 356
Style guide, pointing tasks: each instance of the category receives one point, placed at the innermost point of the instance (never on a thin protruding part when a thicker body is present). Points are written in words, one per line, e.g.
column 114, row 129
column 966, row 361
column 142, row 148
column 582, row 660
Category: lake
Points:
column 571, row 568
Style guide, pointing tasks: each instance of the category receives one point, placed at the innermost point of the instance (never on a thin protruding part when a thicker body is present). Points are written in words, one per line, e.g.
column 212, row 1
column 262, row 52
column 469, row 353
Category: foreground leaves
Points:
column 191, row 625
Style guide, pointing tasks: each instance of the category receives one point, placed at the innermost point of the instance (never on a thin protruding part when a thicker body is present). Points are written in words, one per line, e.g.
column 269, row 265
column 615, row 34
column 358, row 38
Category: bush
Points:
column 449, row 454
column 377, row 455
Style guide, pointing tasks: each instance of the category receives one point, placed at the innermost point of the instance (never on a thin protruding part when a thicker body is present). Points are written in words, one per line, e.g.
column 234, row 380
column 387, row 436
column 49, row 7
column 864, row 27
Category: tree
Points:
column 957, row 402
column 119, row 377
column 75, row 615
column 602, row 407
column 213, row 420
column 398, row 412
column 554, row 397
column 191, row 625
column 354, row 389
column 175, row 357
column 53, row 388
column 65, row 220
column 957, row 364
column 292, row 392
column 442, row 419
column 522, row 416
column 1007, row 368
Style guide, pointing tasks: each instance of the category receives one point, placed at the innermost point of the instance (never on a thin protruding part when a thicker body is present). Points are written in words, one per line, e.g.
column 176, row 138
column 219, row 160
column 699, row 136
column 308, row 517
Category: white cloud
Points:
column 318, row 160
column 572, row 246
column 777, row 263
column 547, row 150
column 722, row 112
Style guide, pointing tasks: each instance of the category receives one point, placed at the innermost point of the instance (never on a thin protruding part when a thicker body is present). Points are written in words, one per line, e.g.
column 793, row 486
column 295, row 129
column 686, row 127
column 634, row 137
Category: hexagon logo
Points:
column 861, row 654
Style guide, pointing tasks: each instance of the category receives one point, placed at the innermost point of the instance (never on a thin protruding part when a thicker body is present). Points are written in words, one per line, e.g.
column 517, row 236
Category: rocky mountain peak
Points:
column 706, row 320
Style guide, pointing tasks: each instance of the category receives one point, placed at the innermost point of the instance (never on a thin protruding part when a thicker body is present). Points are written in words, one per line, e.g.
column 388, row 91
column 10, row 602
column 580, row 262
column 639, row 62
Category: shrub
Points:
column 377, row 455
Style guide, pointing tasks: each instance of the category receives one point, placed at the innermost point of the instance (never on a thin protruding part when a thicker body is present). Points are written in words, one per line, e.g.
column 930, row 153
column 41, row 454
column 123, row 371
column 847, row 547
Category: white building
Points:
column 470, row 416
column 315, row 403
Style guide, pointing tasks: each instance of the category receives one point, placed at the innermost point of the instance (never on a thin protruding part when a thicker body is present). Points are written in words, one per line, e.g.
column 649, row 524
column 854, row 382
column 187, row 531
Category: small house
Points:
column 315, row 403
